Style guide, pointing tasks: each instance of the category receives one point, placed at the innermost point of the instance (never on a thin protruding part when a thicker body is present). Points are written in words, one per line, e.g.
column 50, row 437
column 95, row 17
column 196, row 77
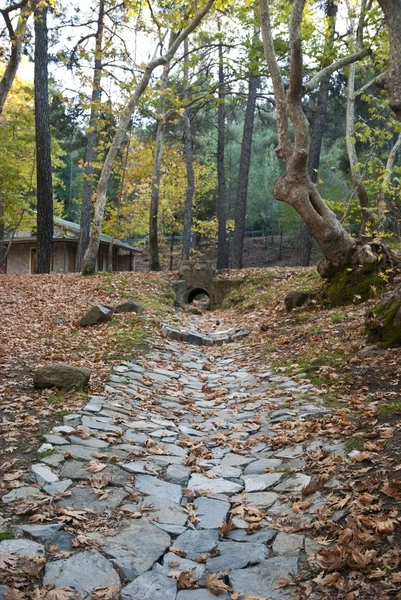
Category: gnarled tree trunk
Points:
column 391, row 80
column 222, row 208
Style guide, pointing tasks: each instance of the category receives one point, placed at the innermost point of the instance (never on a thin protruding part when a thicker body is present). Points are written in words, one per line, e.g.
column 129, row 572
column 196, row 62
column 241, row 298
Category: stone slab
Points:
column 150, row 586
column 153, row 486
column 211, row 513
column 264, row 578
column 194, row 543
column 216, row 486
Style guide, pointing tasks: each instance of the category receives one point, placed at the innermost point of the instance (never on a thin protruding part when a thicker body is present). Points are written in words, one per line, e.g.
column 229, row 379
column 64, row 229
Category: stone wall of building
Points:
column 20, row 259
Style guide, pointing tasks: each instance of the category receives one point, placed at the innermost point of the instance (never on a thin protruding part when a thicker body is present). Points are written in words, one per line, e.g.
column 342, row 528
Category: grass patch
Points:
column 353, row 443
column 338, row 317
column 128, row 339
column 310, row 363
column 6, row 535
column 390, row 409
column 62, row 413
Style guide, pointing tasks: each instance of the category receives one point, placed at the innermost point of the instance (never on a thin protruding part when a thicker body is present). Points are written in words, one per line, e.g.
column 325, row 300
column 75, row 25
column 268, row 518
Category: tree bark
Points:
column 222, row 209
column 119, row 204
column 175, row 42
column 44, row 181
column 156, row 179
column 189, row 194
column 17, row 36
column 89, row 170
column 2, row 228
column 243, row 174
column 391, row 80
column 381, row 200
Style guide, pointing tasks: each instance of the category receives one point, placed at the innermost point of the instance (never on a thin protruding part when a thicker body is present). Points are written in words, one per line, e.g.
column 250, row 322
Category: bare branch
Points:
column 313, row 83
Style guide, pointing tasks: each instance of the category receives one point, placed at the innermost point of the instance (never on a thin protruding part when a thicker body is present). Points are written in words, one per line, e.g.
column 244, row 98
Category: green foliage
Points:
column 348, row 287
column 391, row 331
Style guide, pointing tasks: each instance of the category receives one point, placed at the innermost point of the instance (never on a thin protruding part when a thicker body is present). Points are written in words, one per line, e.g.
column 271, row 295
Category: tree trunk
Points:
column 119, row 203
column 44, row 181
column 391, row 80
column 89, row 170
column 171, row 261
column 156, row 179
column 222, row 209
column 17, row 36
column 381, row 199
column 187, row 238
column 175, row 42
column 243, row 173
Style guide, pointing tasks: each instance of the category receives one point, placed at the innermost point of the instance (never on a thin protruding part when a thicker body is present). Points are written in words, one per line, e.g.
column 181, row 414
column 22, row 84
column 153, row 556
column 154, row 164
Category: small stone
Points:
column 45, row 448
column 58, row 487
column 61, row 376
column 83, row 572
column 183, row 565
column 97, row 423
column 136, row 548
column 236, row 460
column 178, row 474
column 294, row 484
column 139, row 466
column 22, row 547
column 43, row 474
column 194, row 543
column 228, row 472
column 236, row 555
column 211, row 513
column 258, row 483
column 83, row 498
column 164, row 510
column 153, row 486
column 95, row 404
column 262, row 536
column 265, row 577
column 295, row 299
column 97, row 314
column 261, row 500
column 60, row 542
column 150, row 586
column 54, row 440
column 129, row 306
column 259, row 466
column 288, row 544
column 216, row 486
column 91, row 442
column 200, row 595
column 41, row 531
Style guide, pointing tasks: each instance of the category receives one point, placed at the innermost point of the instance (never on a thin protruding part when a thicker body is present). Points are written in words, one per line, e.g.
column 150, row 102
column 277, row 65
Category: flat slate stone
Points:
column 57, row 487
column 200, row 595
column 261, row 500
column 262, row 536
column 259, row 466
column 165, row 510
column 91, row 423
column 91, row 442
column 259, row 483
column 77, row 471
column 41, row 531
column 236, row 555
column 22, row 492
column 22, row 547
column 136, row 548
column 194, row 543
column 79, row 452
column 183, row 565
column 43, row 474
column 150, row 586
column 216, row 486
column 82, row 498
column 55, row 440
column 60, row 542
column 178, row 474
column 264, row 578
column 288, row 544
column 211, row 513
column 83, row 572
column 157, row 487
column 236, row 460
column 138, row 466
column 294, row 484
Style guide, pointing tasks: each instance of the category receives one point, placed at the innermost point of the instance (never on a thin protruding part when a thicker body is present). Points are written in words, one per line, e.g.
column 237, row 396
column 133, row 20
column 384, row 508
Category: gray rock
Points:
column 77, row 471
column 22, row 492
column 183, row 565
column 171, row 333
column 83, row 572
column 61, row 376
column 95, row 404
column 263, row 536
column 41, row 531
column 53, row 460
column 136, row 548
column 236, row 555
column 60, row 542
column 43, row 474
column 265, row 577
column 194, row 543
column 79, row 452
column 178, row 474
column 259, row 466
column 57, row 487
column 258, row 483
column 200, row 595
column 138, row 466
column 150, row 586
column 82, row 498
column 129, row 306
column 97, row 314
column 288, row 544
column 216, row 486
column 99, row 424
column 236, row 460
column 54, row 440
column 228, row 472
column 165, row 511
column 91, row 442
column 22, row 547
column 192, row 338
column 295, row 299
column 153, row 486
column 261, row 500
column 211, row 513
column 3, row 591
column 294, row 484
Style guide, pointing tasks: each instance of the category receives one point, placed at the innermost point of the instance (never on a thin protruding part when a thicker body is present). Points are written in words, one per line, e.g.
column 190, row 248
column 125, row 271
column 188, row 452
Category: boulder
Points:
column 295, row 298
column 97, row 314
column 384, row 322
column 61, row 376
column 129, row 306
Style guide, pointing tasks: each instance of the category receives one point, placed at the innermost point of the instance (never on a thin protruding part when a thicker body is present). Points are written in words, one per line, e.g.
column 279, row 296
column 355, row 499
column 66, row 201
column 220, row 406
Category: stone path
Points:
column 181, row 462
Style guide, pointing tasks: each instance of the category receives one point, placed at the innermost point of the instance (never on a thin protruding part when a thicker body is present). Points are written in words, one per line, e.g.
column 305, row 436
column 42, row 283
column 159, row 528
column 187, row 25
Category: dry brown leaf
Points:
column 215, row 583
column 227, row 527
column 95, row 467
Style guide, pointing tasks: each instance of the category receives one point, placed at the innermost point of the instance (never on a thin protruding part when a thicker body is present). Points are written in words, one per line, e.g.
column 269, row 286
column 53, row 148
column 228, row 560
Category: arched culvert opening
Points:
column 199, row 297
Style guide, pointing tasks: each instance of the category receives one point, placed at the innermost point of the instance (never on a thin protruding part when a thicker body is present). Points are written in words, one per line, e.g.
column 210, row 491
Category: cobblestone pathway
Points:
column 195, row 484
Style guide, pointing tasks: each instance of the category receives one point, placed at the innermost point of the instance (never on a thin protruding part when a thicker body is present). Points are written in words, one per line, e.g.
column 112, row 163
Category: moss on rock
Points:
column 384, row 323
column 348, row 286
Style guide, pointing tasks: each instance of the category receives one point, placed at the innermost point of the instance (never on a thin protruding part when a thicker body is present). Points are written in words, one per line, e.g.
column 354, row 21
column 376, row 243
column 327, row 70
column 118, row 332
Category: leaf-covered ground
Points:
column 357, row 530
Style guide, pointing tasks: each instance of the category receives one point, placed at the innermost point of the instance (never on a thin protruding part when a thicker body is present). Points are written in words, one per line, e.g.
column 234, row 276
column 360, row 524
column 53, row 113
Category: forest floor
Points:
column 288, row 440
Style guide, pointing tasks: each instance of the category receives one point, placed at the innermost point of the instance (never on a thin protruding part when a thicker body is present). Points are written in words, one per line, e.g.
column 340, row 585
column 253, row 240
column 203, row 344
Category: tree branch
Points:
column 313, row 83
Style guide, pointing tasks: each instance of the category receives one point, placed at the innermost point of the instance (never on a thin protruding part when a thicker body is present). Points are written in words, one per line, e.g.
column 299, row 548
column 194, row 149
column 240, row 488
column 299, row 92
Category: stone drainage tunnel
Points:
column 197, row 281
